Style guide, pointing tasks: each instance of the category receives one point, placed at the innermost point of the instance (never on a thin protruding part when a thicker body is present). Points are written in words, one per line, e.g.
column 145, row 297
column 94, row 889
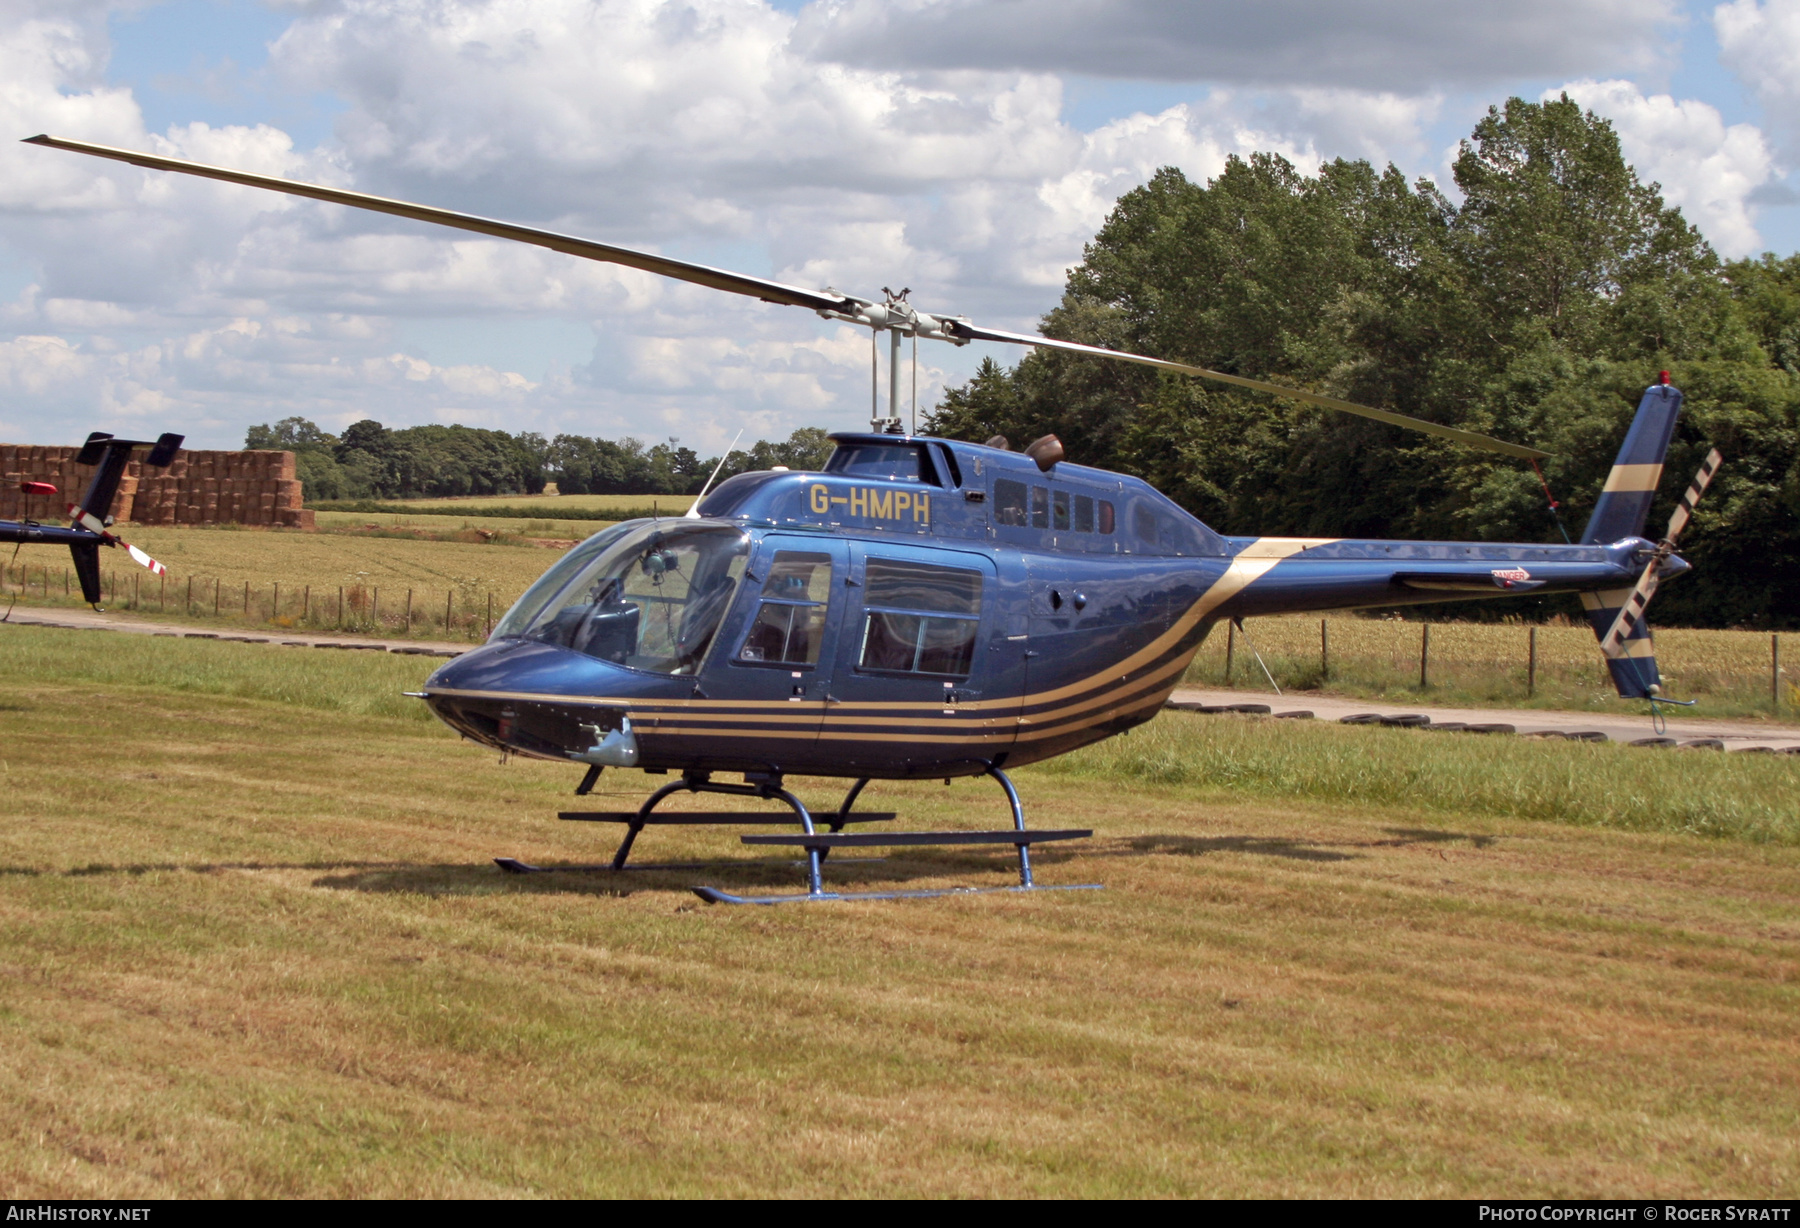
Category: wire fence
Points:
column 462, row 613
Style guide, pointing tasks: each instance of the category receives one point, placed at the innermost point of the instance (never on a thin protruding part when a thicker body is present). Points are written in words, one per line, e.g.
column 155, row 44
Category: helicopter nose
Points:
column 525, row 667
column 535, row 699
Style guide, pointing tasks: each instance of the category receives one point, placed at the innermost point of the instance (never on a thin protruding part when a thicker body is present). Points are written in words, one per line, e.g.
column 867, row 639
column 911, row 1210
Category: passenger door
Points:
column 912, row 667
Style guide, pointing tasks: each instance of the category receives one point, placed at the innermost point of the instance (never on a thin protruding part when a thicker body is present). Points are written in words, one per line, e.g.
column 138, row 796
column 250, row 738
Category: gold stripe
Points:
column 1607, row 599
column 1637, row 648
column 1624, row 478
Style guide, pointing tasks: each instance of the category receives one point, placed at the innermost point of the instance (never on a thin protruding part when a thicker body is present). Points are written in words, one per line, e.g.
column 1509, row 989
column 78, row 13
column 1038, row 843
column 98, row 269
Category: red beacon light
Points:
column 1663, row 378
column 37, row 488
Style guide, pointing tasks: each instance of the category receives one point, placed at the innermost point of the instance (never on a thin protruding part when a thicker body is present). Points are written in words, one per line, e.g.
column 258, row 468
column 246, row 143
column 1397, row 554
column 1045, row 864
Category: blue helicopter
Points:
column 930, row 608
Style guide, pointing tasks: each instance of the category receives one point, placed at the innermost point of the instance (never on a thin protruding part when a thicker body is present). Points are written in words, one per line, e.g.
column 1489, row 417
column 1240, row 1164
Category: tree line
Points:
column 371, row 461
column 1535, row 308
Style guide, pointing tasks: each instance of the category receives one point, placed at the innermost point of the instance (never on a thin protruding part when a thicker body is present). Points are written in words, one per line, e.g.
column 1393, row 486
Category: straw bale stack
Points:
column 249, row 488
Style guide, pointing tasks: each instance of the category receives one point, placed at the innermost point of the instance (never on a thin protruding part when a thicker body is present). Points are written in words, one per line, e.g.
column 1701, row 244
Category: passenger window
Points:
column 791, row 619
column 921, row 618
column 1059, row 510
column 1084, row 514
column 1040, row 508
column 1009, row 502
column 952, row 470
column 1143, row 522
column 1106, row 516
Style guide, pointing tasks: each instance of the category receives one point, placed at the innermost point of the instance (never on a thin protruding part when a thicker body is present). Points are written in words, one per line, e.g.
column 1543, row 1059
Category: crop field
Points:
column 258, row 948
column 451, row 523
column 670, row 504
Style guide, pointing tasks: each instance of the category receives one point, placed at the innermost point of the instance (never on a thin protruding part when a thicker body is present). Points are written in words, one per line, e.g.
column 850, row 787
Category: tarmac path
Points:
column 93, row 620
column 1625, row 725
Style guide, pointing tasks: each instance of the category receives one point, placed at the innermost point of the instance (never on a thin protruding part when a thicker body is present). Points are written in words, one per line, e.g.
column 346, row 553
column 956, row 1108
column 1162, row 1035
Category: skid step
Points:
column 709, row 818
column 892, row 839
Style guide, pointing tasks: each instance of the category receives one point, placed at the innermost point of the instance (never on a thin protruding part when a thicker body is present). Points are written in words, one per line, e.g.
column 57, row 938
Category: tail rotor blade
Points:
column 1684, row 510
column 1632, row 612
column 144, row 560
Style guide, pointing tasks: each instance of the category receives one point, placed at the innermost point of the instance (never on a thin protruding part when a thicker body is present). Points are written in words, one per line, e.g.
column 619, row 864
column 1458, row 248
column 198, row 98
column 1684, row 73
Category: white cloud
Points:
column 1366, row 44
column 1760, row 43
column 697, row 126
column 1709, row 169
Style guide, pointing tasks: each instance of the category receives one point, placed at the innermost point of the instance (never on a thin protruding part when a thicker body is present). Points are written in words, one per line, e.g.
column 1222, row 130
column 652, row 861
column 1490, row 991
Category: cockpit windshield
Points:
column 650, row 598
column 901, row 462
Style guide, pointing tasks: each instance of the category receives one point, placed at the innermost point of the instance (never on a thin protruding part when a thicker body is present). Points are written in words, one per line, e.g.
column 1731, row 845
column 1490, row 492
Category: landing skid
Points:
column 712, row 895
column 512, row 865
column 816, row 845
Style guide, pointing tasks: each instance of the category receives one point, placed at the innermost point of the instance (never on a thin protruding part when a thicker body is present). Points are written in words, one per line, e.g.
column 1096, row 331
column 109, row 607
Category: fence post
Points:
column 162, row 593
column 246, row 598
column 375, row 606
column 137, row 591
column 1324, row 654
column 190, row 597
column 216, row 584
column 1531, row 664
column 409, row 611
column 275, row 606
column 65, row 581
column 490, row 617
column 1775, row 670
column 1230, row 644
column 306, row 605
column 1424, row 656
column 448, row 597
column 340, row 617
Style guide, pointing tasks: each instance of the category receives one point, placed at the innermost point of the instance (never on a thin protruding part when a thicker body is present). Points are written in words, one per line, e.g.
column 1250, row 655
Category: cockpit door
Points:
column 762, row 694
column 910, row 687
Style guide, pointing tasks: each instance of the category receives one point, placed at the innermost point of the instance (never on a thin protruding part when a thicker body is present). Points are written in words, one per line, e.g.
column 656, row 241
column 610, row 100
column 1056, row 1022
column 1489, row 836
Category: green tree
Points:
column 1535, row 310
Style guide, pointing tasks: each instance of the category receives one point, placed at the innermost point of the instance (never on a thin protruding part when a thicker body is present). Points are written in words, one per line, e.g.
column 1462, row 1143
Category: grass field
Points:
column 257, row 948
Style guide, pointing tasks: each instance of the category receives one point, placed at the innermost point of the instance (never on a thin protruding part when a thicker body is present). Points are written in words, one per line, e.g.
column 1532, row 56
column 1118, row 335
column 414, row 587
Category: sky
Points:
column 965, row 149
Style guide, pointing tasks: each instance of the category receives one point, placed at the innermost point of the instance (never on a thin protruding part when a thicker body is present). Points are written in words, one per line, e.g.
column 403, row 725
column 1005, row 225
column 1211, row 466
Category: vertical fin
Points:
column 87, row 569
column 1625, row 502
column 1631, row 660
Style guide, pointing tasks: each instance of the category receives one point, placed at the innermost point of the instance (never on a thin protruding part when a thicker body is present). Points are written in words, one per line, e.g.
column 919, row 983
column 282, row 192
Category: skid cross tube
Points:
column 701, row 782
column 818, row 845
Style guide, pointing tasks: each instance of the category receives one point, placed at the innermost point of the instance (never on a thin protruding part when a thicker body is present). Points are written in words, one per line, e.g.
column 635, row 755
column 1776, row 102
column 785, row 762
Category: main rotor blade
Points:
column 681, row 270
column 1473, row 440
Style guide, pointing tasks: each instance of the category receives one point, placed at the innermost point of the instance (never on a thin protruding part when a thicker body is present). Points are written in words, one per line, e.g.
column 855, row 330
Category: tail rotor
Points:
column 1629, row 624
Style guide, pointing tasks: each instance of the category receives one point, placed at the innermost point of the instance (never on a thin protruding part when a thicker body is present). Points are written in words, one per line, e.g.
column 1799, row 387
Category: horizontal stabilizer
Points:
column 1483, row 582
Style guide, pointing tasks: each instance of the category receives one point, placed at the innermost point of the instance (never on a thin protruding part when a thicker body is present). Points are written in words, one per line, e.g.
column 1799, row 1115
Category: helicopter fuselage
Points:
column 921, row 608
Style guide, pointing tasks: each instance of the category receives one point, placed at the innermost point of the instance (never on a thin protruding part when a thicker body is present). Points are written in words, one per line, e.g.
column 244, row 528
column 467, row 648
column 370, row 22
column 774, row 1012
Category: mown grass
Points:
column 1750, row 797
column 251, row 944
column 1487, row 664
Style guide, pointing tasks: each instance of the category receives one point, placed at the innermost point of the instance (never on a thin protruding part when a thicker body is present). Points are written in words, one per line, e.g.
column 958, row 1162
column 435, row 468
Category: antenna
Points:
column 693, row 513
